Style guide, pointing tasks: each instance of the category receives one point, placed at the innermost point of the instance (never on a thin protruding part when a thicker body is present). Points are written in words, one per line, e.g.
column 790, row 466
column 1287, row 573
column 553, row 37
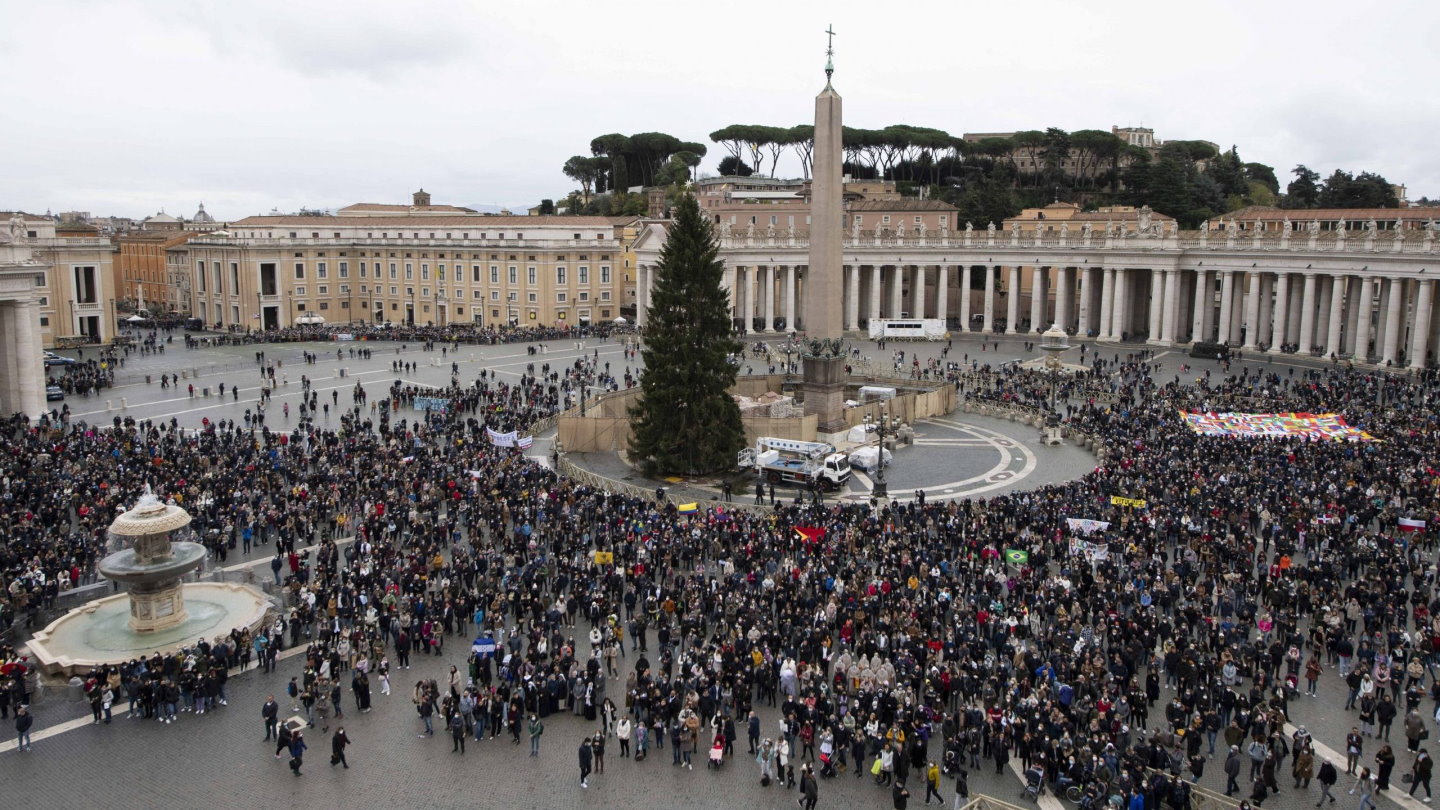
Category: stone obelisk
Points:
column 824, row 278
column 823, row 381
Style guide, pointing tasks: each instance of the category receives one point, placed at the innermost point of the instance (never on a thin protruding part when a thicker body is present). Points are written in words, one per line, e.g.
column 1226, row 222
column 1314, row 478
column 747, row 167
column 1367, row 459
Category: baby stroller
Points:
column 717, row 755
column 827, row 766
column 1034, row 784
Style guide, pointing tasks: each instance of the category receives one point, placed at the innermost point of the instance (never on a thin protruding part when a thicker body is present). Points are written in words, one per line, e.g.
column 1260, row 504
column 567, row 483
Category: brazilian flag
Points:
column 1016, row 556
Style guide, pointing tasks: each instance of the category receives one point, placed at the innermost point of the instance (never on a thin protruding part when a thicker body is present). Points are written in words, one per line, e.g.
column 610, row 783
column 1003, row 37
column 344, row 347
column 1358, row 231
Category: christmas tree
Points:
column 686, row 421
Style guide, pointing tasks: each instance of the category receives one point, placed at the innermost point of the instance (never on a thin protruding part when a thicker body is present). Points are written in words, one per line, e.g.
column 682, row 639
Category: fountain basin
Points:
column 99, row 632
column 126, row 566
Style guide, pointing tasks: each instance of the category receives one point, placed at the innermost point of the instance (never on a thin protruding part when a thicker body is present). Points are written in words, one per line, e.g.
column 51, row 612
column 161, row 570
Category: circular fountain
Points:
column 152, row 567
column 157, row 612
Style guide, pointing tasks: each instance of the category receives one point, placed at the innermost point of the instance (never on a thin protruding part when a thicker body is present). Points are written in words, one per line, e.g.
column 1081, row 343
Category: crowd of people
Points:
column 906, row 642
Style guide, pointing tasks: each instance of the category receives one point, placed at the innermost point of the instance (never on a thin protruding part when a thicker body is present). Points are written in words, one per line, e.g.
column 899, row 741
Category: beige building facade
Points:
column 75, row 292
column 269, row 272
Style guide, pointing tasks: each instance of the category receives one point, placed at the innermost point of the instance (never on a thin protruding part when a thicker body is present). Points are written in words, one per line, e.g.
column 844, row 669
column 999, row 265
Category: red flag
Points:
column 810, row 534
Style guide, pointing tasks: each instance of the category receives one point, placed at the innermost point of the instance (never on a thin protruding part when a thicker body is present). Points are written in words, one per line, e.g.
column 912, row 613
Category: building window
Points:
column 604, row 274
column 530, row 276
column 200, row 274
column 584, row 275
column 344, row 269
column 560, row 277
column 494, row 295
column 514, row 279
column 323, row 289
column 561, row 298
column 604, row 295
column 424, row 272
column 392, row 271
column 584, row 296
column 494, row 274
column 409, row 271
column 299, row 290
column 44, row 320
column 532, row 298
column 321, row 270
column 324, row 304
column 299, row 270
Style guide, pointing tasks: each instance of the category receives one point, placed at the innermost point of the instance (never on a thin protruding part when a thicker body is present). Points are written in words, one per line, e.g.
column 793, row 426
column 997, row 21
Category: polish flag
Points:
column 1410, row 525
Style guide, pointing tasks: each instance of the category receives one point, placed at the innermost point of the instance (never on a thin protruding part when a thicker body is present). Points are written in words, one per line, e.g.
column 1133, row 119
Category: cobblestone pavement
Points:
column 220, row 760
column 220, row 757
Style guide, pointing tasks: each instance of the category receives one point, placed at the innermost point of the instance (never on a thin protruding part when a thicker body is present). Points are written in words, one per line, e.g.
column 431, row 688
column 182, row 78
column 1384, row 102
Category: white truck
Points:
column 788, row 461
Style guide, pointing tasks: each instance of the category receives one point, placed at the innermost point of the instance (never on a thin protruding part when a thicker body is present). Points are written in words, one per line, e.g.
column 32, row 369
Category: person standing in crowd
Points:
column 23, row 723
column 270, row 713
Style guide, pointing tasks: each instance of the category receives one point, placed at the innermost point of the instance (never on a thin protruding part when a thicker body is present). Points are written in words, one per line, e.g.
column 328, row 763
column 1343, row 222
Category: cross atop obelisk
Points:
column 829, row 52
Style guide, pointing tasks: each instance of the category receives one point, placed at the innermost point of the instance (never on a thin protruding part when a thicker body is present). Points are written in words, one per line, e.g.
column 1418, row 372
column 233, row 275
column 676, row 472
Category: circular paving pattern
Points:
column 970, row 455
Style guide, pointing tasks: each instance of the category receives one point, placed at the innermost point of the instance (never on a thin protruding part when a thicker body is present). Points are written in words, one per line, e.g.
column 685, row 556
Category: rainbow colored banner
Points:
column 1314, row 426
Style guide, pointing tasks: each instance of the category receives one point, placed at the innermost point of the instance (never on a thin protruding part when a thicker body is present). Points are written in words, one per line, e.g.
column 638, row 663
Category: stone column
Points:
column 767, row 297
column 852, row 305
column 1282, row 306
column 942, row 294
column 1307, row 315
column 9, row 362
column 990, row 273
column 1062, row 297
column 1038, row 294
column 752, row 286
column 1157, row 302
column 1237, row 314
column 642, row 306
column 1297, row 304
column 1203, row 299
column 29, row 362
column 964, row 298
column 1171, row 314
column 877, row 279
column 732, row 294
column 1107, row 300
column 1121, row 313
column 1361, row 336
column 1352, row 314
column 791, row 285
column 897, row 290
column 1420, row 335
column 917, row 291
column 1252, row 312
column 1087, row 292
column 1322, row 308
column 1396, row 306
column 1012, row 304
column 1267, row 288
column 1227, row 302
column 1337, row 315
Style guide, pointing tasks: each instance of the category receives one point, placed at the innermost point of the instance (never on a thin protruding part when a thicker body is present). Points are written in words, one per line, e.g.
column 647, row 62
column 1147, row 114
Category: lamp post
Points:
column 1056, row 342
column 881, row 427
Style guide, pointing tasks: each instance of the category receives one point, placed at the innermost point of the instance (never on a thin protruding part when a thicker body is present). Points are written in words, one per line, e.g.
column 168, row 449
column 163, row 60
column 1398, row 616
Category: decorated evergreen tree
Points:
column 686, row 421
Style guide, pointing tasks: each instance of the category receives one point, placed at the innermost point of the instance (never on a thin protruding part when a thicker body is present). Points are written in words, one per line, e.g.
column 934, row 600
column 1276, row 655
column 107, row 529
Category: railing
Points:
column 1381, row 242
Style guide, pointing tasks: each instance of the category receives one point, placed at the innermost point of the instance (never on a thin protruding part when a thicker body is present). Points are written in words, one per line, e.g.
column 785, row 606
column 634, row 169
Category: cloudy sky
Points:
column 123, row 108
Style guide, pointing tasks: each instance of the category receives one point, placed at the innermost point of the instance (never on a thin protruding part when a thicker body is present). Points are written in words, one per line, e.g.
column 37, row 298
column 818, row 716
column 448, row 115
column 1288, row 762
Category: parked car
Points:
column 53, row 359
column 53, row 392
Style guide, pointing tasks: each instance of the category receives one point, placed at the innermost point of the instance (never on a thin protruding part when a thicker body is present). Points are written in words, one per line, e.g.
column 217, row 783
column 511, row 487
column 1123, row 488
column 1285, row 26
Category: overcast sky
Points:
column 123, row 108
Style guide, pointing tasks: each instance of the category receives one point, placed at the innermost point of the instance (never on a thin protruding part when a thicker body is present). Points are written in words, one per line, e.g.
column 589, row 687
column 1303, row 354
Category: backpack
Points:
column 1256, row 750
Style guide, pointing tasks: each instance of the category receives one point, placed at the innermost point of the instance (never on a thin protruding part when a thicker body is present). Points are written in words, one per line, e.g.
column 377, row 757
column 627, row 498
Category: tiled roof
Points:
column 401, row 208
column 901, row 204
column 422, row 223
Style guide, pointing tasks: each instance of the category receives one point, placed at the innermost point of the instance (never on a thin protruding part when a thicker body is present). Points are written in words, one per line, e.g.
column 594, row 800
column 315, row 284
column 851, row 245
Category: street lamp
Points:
column 1056, row 342
column 883, row 426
